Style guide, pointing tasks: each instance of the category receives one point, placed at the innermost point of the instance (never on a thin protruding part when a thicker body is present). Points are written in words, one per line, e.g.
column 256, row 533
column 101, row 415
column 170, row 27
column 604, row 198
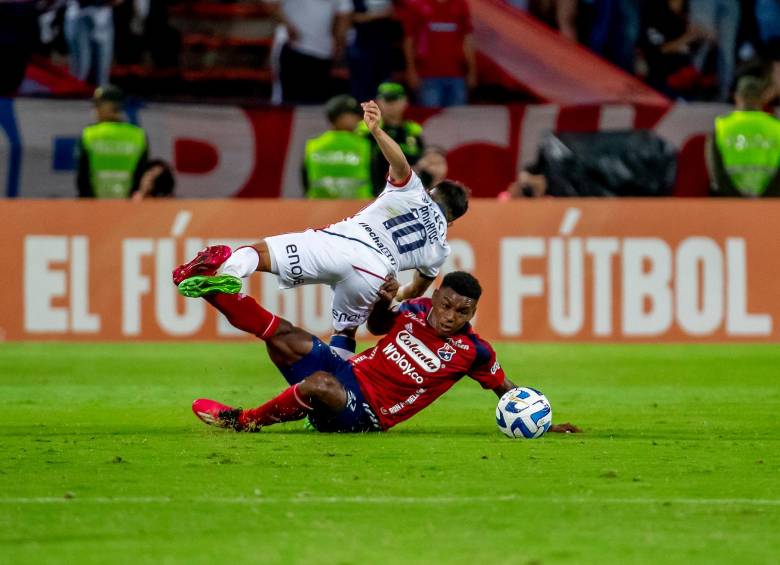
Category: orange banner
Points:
column 552, row 270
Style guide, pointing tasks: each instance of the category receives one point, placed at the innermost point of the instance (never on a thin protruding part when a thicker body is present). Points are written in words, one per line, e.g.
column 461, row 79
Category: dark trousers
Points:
column 305, row 79
column 18, row 35
column 369, row 66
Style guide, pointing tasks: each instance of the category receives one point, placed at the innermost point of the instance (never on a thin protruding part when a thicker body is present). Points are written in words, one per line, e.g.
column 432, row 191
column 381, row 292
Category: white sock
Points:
column 242, row 263
column 345, row 354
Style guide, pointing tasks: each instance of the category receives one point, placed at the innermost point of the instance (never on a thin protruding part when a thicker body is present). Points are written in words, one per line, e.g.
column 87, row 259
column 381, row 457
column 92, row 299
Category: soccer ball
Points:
column 523, row 412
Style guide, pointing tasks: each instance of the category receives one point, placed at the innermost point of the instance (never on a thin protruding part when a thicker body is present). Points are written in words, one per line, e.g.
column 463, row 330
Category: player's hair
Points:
column 463, row 283
column 454, row 196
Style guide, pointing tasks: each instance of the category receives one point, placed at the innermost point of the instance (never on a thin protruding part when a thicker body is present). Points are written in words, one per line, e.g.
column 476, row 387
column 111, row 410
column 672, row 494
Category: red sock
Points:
column 246, row 314
column 286, row 407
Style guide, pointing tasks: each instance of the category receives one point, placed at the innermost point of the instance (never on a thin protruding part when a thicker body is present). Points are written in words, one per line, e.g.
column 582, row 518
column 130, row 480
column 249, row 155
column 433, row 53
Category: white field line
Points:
column 259, row 500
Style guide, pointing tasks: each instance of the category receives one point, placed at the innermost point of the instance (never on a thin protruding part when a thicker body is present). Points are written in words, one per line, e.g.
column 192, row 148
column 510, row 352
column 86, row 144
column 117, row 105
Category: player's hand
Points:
column 565, row 428
column 389, row 289
column 372, row 115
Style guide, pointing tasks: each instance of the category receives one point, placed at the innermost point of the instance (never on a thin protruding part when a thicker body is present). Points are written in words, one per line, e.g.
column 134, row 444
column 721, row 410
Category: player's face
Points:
column 450, row 311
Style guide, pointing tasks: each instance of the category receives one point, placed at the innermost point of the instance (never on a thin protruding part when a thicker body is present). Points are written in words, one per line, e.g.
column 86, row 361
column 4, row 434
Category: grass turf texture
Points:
column 103, row 462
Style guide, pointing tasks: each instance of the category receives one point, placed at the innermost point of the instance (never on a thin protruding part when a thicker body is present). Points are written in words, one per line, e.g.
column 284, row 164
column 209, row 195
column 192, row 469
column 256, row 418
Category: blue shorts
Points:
column 357, row 415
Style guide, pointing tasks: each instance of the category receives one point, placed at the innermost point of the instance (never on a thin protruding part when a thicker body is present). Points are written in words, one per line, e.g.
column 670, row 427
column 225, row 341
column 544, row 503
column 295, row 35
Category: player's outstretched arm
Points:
column 399, row 166
column 382, row 316
column 420, row 283
column 565, row 428
column 504, row 387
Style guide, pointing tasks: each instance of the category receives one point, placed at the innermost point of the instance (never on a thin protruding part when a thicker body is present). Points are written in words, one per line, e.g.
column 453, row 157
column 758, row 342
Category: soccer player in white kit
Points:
column 405, row 228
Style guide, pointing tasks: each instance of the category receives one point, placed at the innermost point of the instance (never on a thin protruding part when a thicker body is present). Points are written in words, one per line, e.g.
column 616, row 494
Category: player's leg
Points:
column 296, row 258
column 296, row 353
column 353, row 298
column 309, row 366
column 343, row 342
column 338, row 404
column 290, row 349
column 320, row 389
column 218, row 269
column 248, row 259
column 334, row 402
column 286, row 343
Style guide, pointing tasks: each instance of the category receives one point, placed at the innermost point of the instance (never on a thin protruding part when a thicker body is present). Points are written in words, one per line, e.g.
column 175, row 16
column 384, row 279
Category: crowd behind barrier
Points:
column 691, row 50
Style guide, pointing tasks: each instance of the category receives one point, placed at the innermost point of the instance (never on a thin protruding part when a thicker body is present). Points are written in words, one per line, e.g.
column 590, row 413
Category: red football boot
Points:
column 206, row 262
column 217, row 414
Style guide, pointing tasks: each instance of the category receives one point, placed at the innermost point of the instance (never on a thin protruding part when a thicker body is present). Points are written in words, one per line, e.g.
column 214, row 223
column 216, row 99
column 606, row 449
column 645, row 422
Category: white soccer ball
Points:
column 523, row 412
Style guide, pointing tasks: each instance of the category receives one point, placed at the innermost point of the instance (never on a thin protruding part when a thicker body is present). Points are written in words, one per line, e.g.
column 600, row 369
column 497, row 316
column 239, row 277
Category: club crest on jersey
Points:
column 446, row 352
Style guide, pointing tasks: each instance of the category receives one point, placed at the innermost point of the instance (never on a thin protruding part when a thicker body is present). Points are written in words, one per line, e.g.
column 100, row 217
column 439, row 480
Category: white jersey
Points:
column 404, row 225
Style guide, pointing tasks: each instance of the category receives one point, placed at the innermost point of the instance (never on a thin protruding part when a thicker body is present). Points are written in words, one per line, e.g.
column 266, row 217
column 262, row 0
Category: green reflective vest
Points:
column 749, row 144
column 338, row 166
column 114, row 150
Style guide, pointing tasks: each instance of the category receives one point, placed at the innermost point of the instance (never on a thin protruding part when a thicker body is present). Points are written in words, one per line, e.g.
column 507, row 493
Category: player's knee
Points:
column 322, row 386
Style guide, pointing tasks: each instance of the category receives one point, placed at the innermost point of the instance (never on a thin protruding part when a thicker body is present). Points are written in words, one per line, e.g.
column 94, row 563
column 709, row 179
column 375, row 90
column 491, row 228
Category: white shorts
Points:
column 351, row 268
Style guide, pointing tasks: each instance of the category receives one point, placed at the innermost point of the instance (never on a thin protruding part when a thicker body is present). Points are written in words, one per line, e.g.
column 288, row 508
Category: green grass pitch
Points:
column 102, row 461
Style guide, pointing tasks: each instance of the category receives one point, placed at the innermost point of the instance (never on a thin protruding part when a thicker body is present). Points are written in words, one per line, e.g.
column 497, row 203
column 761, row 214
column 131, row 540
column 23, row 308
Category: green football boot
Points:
column 199, row 285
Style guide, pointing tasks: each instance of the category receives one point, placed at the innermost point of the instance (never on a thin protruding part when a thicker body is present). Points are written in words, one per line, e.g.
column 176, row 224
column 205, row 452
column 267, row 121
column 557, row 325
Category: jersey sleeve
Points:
column 486, row 369
column 409, row 184
column 415, row 305
column 432, row 271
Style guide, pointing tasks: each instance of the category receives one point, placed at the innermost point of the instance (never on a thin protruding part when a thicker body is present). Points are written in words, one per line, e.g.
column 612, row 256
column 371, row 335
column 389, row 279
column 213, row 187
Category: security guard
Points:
column 743, row 156
column 392, row 100
column 337, row 163
column 113, row 152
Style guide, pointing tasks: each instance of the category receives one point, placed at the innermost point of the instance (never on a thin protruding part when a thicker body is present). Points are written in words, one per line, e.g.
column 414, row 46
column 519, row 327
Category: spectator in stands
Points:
column 18, row 31
column 142, row 26
column 558, row 14
column 668, row 41
column 432, row 168
column 370, row 54
column 774, row 75
column 767, row 14
column 337, row 164
column 530, row 183
column 768, row 20
column 89, row 30
column 112, row 153
column 743, row 154
column 719, row 19
column 316, row 32
column 156, row 182
column 616, row 25
column 392, row 101
column 439, row 51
